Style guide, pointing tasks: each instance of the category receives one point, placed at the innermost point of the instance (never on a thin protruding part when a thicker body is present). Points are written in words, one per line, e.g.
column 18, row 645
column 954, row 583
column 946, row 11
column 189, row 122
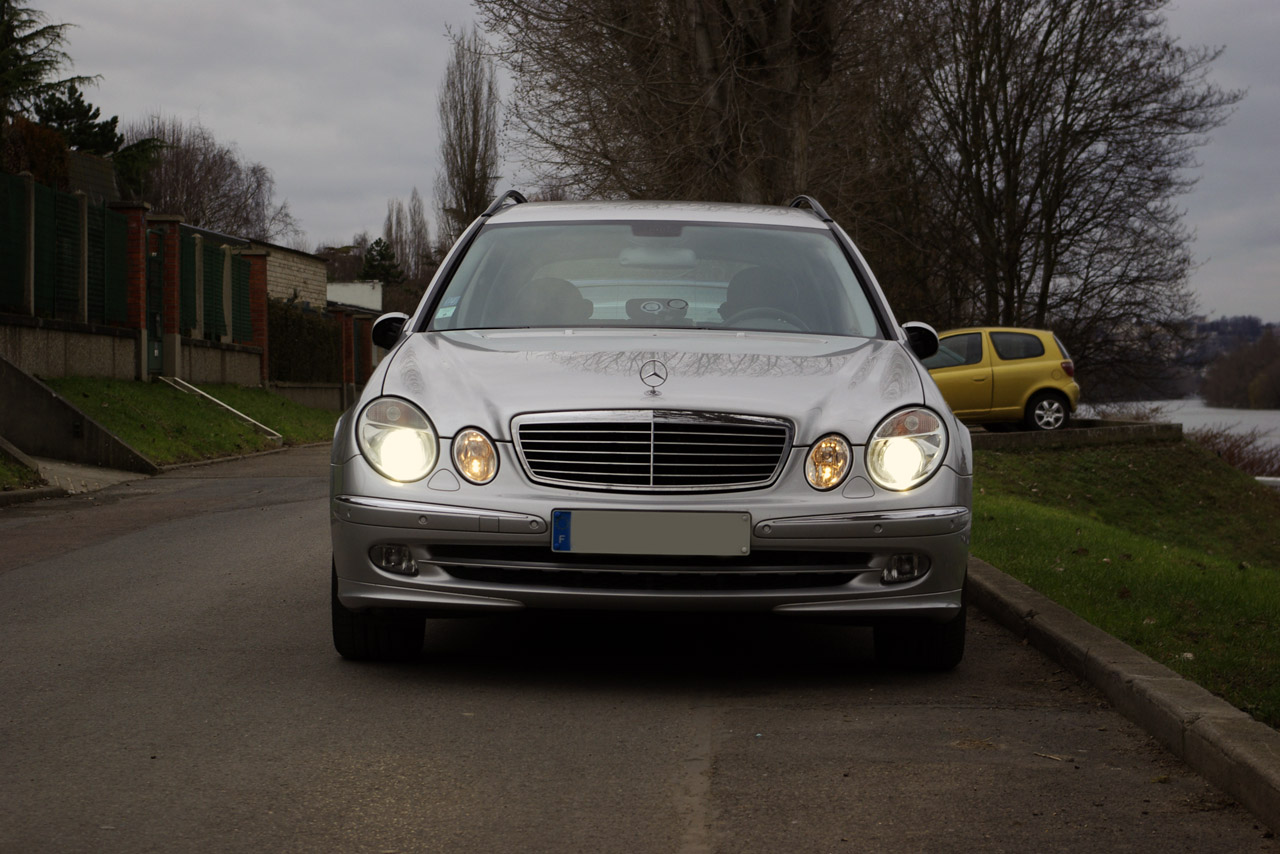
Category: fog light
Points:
column 827, row 462
column 474, row 456
column 393, row 558
column 904, row 567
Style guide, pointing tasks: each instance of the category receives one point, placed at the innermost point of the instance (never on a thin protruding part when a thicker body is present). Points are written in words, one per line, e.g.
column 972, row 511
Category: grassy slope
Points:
column 298, row 424
column 168, row 426
column 1162, row 545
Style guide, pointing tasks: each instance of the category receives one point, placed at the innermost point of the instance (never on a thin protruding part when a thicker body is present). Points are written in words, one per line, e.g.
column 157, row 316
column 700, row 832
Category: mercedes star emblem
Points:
column 653, row 374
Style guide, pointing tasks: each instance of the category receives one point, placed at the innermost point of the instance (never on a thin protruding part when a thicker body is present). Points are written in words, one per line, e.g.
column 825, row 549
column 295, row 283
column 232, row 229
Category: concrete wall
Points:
column 57, row 348
column 290, row 272
column 315, row 395
column 1083, row 432
column 41, row 423
column 229, row 364
column 366, row 295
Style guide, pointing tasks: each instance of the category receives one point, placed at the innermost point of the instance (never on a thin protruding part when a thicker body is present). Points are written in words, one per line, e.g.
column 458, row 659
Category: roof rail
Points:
column 813, row 205
column 514, row 196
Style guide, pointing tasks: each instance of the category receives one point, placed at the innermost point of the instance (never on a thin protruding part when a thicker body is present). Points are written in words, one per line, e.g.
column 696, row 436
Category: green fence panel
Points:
column 96, row 238
column 187, row 280
column 66, row 256
column 13, row 243
column 241, row 305
column 115, row 280
column 46, row 250
column 215, row 324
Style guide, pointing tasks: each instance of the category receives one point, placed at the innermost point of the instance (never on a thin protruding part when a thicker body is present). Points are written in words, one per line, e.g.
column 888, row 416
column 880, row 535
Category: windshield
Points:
column 655, row 274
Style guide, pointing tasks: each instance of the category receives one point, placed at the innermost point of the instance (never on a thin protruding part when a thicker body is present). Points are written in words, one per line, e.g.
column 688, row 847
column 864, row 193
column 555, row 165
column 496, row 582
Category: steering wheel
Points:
column 765, row 311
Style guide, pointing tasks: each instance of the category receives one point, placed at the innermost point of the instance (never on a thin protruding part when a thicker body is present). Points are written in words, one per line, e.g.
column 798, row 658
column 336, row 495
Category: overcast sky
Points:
column 338, row 99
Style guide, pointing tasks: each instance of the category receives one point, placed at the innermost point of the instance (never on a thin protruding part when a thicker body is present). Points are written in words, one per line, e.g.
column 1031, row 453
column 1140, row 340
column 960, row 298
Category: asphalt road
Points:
column 168, row 684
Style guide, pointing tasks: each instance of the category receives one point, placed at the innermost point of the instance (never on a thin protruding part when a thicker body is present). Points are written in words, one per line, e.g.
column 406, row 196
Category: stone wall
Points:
column 315, row 395
column 290, row 272
column 227, row 364
column 57, row 348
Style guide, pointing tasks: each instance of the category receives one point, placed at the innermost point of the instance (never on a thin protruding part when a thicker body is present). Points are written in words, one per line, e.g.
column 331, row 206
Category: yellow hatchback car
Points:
column 1004, row 376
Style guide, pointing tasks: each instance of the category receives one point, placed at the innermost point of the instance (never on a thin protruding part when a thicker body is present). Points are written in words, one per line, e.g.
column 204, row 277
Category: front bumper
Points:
column 828, row 565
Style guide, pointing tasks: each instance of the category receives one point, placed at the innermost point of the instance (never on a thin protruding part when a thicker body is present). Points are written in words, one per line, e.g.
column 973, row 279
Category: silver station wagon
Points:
column 652, row 406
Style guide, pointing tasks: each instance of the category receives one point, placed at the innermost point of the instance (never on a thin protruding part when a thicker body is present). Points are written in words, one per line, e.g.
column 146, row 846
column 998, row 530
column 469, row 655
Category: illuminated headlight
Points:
column 397, row 439
column 828, row 462
column 474, row 456
column 906, row 449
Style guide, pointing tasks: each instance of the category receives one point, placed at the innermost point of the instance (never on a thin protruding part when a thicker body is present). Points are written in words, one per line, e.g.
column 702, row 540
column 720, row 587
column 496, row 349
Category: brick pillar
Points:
column 258, row 307
column 198, row 274
column 364, row 347
column 346, row 323
column 135, row 214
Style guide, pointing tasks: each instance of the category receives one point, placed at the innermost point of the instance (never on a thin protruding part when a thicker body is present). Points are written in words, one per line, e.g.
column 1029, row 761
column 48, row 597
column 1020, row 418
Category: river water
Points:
column 1191, row 413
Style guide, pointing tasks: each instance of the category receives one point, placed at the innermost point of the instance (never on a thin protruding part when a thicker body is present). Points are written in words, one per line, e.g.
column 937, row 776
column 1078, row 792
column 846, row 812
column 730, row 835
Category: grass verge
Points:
column 1164, row 546
column 16, row 476
column 168, row 426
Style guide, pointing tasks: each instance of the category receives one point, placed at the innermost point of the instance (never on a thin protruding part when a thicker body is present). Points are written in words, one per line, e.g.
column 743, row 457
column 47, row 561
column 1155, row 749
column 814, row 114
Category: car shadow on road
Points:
column 675, row 651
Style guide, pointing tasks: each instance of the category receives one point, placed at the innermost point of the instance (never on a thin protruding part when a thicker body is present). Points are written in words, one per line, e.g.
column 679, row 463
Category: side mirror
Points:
column 387, row 329
column 921, row 338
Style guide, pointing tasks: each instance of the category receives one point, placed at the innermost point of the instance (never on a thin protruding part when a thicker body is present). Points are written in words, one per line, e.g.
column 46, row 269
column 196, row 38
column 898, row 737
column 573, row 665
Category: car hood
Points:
column 485, row 378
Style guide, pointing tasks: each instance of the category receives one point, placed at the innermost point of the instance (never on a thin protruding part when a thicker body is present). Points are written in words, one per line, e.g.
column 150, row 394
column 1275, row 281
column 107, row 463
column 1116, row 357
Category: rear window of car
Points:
column 956, row 350
column 647, row 274
column 1062, row 347
column 1016, row 345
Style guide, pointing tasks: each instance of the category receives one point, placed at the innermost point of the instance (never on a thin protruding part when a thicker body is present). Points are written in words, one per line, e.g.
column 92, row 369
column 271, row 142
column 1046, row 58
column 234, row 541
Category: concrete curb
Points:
column 172, row 467
column 35, row 493
column 1224, row 745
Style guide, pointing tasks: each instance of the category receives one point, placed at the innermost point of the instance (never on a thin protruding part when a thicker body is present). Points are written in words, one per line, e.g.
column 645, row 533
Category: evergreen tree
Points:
column 380, row 264
column 31, row 55
column 79, row 122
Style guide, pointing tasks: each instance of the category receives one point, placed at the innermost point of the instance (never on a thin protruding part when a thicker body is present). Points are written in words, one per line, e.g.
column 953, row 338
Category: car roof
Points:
column 1023, row 329
column 710, row 212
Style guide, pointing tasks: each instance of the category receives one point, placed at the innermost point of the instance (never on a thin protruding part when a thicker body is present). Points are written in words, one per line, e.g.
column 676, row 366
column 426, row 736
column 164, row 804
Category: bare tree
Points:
column 405, row 230
column 1000, row 161
column 468, row 105
column 208, row 183
column 702, row 99
column 1060, row 133
column 418, row 239
column 395, row 230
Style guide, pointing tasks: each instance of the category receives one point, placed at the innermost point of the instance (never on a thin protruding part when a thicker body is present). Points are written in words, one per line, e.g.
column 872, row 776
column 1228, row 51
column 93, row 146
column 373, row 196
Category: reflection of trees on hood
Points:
column 628, row 362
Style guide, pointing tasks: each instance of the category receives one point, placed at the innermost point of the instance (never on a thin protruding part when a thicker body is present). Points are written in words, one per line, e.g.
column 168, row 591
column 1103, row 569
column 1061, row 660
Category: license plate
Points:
column 650, row 532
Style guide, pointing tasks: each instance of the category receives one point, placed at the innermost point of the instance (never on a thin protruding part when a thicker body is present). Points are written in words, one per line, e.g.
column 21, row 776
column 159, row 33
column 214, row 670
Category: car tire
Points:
column 922, row 645
column 1047, row 410
column 375, row 636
